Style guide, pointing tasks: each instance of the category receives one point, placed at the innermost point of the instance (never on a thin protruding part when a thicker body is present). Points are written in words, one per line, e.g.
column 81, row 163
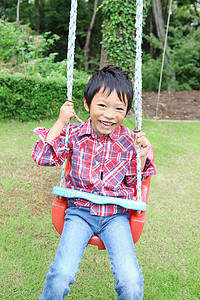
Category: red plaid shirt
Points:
column 103, row 165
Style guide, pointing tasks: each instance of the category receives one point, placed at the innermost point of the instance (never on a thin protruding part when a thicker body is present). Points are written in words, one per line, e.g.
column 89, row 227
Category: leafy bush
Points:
column 26, row 95
column 182, row 71
column 186, row 61
column 151, row 73
column 22, row 50
column 35, row 98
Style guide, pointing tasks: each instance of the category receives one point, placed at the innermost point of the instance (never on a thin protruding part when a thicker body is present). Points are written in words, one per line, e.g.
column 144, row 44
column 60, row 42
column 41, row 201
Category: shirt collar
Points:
column 88, row 130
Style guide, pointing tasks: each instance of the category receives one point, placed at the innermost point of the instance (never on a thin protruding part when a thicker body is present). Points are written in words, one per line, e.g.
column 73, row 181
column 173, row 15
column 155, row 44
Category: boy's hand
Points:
column 141, row 141
column 66, row 112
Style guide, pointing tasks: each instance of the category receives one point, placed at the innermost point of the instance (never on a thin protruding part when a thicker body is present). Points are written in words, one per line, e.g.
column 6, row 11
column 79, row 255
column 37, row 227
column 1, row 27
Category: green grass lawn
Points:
column 167, row 250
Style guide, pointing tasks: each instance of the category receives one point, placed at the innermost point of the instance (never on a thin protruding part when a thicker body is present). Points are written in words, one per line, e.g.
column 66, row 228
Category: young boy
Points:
column 103, row 161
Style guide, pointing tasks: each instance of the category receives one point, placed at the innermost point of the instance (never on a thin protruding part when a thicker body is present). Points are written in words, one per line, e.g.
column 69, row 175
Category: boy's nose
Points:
column 109, row 113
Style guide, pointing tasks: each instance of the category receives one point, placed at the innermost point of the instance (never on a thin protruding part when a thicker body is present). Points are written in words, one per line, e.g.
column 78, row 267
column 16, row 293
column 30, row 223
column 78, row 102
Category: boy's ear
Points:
column 86, row 106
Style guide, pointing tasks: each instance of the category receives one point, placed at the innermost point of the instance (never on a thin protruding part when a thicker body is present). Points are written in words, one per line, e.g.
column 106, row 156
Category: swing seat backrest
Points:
column 137, row 219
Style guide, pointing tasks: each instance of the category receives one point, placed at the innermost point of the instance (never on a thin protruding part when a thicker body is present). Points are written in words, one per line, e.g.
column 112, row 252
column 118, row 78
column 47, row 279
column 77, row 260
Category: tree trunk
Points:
column 159, row 21
column 151, row 45
column 158, row 17
column 103, row 57
column 18, row 5
column 151, row 32
column 86, row 48
column 37, row 12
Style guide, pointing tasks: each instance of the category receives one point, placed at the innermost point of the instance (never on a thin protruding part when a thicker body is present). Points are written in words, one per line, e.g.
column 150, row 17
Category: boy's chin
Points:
column 104, row 132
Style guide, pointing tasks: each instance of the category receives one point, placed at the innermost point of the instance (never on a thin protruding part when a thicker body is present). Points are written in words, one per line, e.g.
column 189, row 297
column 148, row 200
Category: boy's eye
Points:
column 102, row 105
column 120, row 109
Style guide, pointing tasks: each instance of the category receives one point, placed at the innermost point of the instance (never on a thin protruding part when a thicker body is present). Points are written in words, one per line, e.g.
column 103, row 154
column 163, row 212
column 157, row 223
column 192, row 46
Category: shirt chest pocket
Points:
column 117, row 167
column 81, row 163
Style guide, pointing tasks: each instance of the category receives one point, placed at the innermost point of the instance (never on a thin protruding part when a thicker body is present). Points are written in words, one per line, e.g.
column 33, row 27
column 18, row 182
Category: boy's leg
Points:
column 117, row 238
column 75, row 236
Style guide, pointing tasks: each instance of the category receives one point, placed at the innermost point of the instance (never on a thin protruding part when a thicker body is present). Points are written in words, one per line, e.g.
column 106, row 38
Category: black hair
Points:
column 110, row 78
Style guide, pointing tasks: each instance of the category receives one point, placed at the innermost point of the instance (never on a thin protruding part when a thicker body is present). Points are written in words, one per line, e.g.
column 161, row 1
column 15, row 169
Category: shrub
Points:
column 36, row 98
column 25, row 51
column 182, row 71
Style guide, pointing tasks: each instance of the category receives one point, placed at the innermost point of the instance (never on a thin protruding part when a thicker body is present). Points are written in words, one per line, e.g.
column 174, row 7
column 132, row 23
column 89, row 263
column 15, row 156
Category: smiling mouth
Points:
column 106, row 124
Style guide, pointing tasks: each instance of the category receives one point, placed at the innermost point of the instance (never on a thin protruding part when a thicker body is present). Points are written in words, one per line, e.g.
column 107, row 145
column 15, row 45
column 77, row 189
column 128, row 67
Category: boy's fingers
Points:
column 67, row 111
column 142, row 141
column 140, row 136
column 72, row 101
column 68, row 103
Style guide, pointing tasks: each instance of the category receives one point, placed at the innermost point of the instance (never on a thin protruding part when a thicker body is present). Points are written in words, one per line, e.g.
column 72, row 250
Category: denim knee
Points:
column 57, row 284
column 130, row 287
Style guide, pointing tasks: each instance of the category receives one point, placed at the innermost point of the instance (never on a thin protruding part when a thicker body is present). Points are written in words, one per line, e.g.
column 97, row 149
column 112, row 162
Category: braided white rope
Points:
column 138, row 87
column 70, row 67
column 71, row 48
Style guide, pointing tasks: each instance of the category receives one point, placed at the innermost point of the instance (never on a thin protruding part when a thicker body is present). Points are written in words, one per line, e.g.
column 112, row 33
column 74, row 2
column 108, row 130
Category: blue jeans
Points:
column 114, row 231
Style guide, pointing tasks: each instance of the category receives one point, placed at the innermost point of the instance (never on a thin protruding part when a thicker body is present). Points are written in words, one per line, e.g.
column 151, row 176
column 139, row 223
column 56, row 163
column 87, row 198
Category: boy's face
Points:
column 106, row 112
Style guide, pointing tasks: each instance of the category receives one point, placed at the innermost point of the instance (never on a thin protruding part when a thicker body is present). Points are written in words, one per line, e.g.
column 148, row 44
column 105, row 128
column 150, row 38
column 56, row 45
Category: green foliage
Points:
column 186, row 61
column 84, row 16
column 27, row 97
column 182, row 71
column 8, row 9
column 151, row 73
column 119, row 33
column 182, row 58
column 23, row 50
column 55, row 18
column 36, row 98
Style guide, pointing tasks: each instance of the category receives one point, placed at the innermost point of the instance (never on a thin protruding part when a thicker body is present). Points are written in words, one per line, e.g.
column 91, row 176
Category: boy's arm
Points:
column 142, row 142
column 147, row 166
column 66, row 114
column 46, row 151
column 143, row 162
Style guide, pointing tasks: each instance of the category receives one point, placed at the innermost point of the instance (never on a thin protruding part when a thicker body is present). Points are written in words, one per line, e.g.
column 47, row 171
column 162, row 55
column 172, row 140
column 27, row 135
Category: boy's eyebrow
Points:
column 122, row 103
column 105, row 100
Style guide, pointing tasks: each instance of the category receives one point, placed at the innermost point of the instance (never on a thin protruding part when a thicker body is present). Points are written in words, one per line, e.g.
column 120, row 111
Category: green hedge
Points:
column 35, row 98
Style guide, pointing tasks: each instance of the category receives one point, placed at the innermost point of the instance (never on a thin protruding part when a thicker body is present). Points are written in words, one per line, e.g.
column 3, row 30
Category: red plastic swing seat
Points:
column 137, row 220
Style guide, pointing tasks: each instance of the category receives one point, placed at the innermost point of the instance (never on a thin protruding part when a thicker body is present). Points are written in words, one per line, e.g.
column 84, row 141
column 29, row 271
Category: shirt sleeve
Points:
column 52, row 153
column 149, row 170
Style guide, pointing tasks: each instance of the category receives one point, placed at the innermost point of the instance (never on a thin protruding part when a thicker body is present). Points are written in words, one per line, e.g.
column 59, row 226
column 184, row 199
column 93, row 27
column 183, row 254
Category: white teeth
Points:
column 107, row 124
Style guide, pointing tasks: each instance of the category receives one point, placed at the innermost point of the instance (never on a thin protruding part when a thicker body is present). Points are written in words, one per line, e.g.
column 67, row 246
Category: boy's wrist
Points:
column 55, row 130
column 61, row 123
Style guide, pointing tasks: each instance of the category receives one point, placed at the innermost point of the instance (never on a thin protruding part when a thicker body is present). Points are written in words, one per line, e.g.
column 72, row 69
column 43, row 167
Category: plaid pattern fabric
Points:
column 103, row 165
